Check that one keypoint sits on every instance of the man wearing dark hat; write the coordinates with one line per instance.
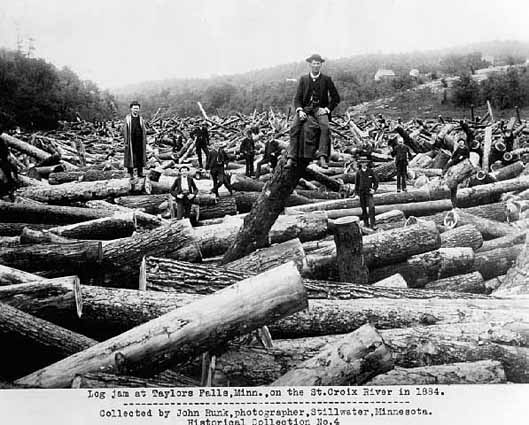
(402, 154)
(201, 135)
(184, 191)
(316, 96)
(247, 151)
(217, 161)
(135, 141)
(366, 184)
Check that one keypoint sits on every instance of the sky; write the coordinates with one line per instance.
(116, 42)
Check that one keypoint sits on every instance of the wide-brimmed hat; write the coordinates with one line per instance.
(363, 160)
(315, 57)
(184, 166)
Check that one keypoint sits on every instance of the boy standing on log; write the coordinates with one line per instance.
(135, 141)
(184, 191)
(316, 96)
(217, 160)
(366, 184)
(402, 153)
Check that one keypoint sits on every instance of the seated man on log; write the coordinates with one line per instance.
(316, 97)
(247, 151)
(8, 172)
(135, 138)
(366, 184)
(271, 154)
(184, 191)
(217, 161)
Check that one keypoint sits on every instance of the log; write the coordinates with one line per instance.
(470, 282)
(392, 219)
(394, 281)
(429, 266)
(313, 172)
(9, 241)
(144, 220)
(187, 331)
(56, 257)
(48, 214)
(349, 252)
(77, 192)
(495, 211)
(118, 226)
(411, 347)
(85, 176)
(509, 171)
(267, 258)
(515, 281)
(24, 147)
(459, 172)
(253, 234)
(12, 276)
(26, 335)
(487, 145)
(30, 236)
(503, 242)
(428, 172)
(489, 229)
(108, 380)
(479, 372)
(462, 236)
(147, 203)
(15, 229)
(386, 172)
(352, 360)
(224, 206)
(496, 262)
(245, 200)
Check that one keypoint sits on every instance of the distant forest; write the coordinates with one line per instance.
(354, 77)
(35, 94)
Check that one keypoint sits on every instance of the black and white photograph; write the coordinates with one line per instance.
(264, 212)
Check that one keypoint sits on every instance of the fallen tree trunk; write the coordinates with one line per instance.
(479, 372)
(504, 242)
(351, 360)
(470, 282)
(386, 172)
(115, 227)
(89, 175)
(312, 172)
(12, 276)
(185, 332)
(15, 229)
(515, 281)
(245, 200)
(462, 236)
(24, 147)
(459, 172)
(490, 229)
(496, 262)
(108, 380)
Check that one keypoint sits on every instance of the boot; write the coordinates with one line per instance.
(323, 162)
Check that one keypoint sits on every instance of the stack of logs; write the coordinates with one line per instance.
(109, 293)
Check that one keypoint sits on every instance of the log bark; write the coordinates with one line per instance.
(489, 229)
(85, 176)
(351, 360)
(30, 236)
(77, 192)
(515, 281)
(349, 252)
(496, 262)
(12, 276)
(479, 372)
(459, 172)
(48, 214)
(420, 269)
(25, 147)
(225, 206)
(186, 332)
(15, 229)
(504, 242)
(394, 281)
(509, 171)
(411, 347)
(108, 380)
(245, 200)
(462, 236)
(313, 172)
(386, 172)
(115, 227)
(470, 282)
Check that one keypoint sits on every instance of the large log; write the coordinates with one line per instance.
(186, 332)
(85, 176)
(490, 229)
(515, 281)
(411, 347)
(30, 236)
(479, 372)
(470, 282)
(496, 262)
(15, 229)
(108, 380)
(386, 172)
(76, 192)
(48, 214)
(509, 172)
(12, 276)
(495, 211)
(462, 236)
(115, 227)
(352, 360)
(313, 172)
(245, 200)
(459, 172)
(429, 266)
(253, 234)
(504, 242)
(25, 147)
(143, 219)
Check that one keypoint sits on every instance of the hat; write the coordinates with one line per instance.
(363, 159)
(315, 57)
(184, 166)
(134, 103)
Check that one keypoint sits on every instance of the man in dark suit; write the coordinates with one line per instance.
(366, 184)
(247, 151)
(184, 191)
(402, 154)
(217, 161)
(201, 135)
(316, 95)
(272, 151)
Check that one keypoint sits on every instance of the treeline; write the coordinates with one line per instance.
(504, 90)
(35, 94)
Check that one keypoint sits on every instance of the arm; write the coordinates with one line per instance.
(193, 186)
(174, 188)
(375, 180)
(335, 97)
(298, 98)
(357, 182)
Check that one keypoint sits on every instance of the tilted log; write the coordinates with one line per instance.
(115, 227)
(462, 236)
(479, 372)
(245, 200)
(325, 317)
(143, 219)
(13, 276)
(313, 172)
(15, 229)
(496, 262)
(147, 203)
(503, 242)
(352, 360)
(515, 281)
(24, 336)
(470, 282)
(495, 211)
(48, 214)
(509, 171)
(216, 239)
(75, 192)
(429, 266)
(85, 176)
(185, 332)
(108, 380)
(489, 229)
(25, 147)
(30, 236)
(459, 172)
(56, 257)
(411, 347)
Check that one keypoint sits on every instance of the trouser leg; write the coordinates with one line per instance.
(250, 164)
(130, 171)
(293, 146)
(363, 204)
(404, 175)
(179, 209)
(258, 168)
(226, 181)
(325, 137)
(214, 177)
(453, 197)
(371, 205)
(273, 163)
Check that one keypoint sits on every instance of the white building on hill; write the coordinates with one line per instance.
(383, 74)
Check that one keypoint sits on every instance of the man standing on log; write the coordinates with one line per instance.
(184, 191)
(316, 96)
(366, 184)
(201, 135)
(135, 141)
(217, 160)
(247, 151)
(402, 153)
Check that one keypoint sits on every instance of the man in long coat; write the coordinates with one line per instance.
(135, 138)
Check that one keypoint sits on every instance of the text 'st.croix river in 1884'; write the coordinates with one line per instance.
(264, 406)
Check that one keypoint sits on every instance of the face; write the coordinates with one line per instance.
(363, 166)
(400, 141)
(315, 67)
(461, 143)
(184, 172)
(135, 110)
